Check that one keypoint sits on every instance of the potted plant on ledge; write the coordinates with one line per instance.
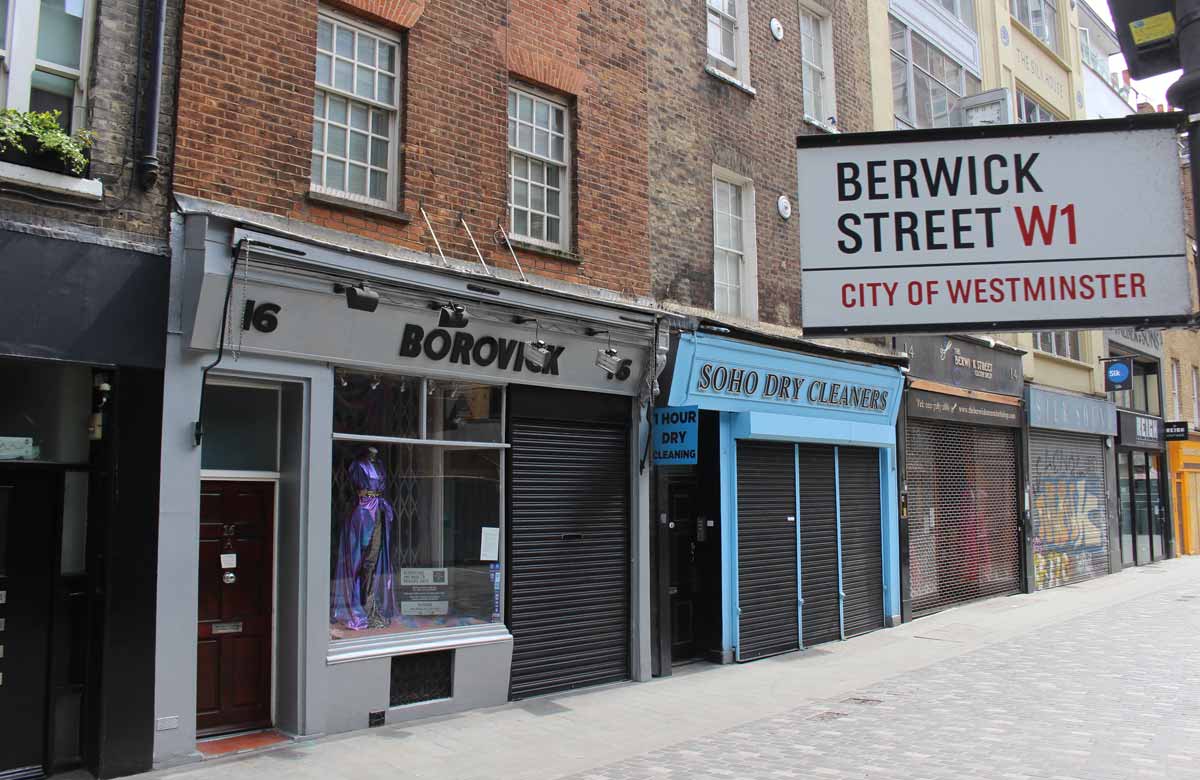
(36, 139)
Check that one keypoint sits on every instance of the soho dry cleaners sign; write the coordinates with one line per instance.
(732, 381)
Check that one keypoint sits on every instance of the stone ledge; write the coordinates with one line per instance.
(58, 183)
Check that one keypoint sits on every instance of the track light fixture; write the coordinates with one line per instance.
(342, 380)
(375, 381)
(360, 297)
(607, 358)
(536, 351)
(452, 315)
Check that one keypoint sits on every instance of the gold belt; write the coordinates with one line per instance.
(370, 493)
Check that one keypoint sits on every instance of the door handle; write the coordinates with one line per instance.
(228, 578)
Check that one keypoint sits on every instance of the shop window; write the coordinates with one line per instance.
(417, 505)
(241, 428)
(45, 409)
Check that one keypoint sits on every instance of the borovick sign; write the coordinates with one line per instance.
(993, 228)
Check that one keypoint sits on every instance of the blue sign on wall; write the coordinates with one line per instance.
(676, 435)
(1118, 374)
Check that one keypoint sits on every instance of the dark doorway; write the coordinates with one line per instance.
(686, 531)
(233, 674)
(29, 506)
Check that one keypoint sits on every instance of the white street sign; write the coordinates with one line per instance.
(996, 228)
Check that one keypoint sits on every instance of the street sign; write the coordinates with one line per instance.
(992, 228)
(1118, 374)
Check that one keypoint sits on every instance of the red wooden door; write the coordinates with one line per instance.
(233, 676)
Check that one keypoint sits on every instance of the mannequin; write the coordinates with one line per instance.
(364, 596)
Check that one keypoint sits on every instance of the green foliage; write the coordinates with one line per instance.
(32, 132)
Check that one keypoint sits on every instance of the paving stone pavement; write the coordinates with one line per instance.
(1111, 695)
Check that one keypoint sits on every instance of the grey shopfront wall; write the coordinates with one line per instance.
(1072, 514)
(471, 428)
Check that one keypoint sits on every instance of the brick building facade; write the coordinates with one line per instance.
(702, 117)
(84, 268)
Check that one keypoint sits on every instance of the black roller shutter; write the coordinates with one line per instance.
(862, 539)
(964, 532)
(818, 545)
(766, 528)
(1070, 508)
(569, 561)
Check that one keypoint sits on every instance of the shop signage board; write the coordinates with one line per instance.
(936, 406)
(992, 228)
(1118, 374)
(963, 363)
(1145, 341)
(1141, 431)
(1065, 412)
(676, 435)
(1175, 431)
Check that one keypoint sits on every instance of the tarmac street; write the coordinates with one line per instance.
(1094, 681)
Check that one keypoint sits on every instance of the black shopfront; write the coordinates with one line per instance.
(1141, 475)
(81, 356)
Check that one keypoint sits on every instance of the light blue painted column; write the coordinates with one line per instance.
(837, 492)
(889, 493)
(799, 559)
(729, 572)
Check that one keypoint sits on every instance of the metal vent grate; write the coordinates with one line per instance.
(422, 677)
(964, 533)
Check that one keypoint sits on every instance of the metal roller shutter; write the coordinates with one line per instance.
(766, 541)
(862, 539)
(569, 563)
(1070, 508)
(820, 610)
(964, 531)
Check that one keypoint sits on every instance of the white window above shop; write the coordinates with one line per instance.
(1039, 17)
(735, 261)
(356, 111)
(1063, 343)
(1030, 110)
(1195, 397)
(927, 83)
(816, 51)
(45, 46)
(962, 10)
(729, 40)
(539, 169)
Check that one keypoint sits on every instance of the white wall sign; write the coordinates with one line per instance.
(992, 228)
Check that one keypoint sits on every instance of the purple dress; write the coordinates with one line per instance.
(363, 592)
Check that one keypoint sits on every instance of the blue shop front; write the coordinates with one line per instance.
(777, 512)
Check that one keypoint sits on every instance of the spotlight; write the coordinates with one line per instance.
(342, 380)
(375, 380)
(536, 352)
(360, 298)
(607, 359)
(453, 315)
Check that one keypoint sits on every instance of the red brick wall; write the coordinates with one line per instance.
(245, 124)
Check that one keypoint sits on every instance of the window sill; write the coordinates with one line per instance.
(538, 249)
(1069, 361)
(1036, 41)
(347, 650)
(817, 123)
(353, 205)
(58, 183)
(720, 75)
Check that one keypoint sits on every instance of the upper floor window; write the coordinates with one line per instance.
(1176, 392)
(44, 45)
(1040, 17)
(356, 111)
(728, 42)
(735, 272)
(816, 52)
(1029, 110)
(1064, 343)
(927, 83)
(963, 10)
(539, 170)
(1195, 396)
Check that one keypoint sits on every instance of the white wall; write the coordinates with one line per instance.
(1102, 101)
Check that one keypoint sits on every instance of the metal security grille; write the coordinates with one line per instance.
(768, 622)
(862, 539)
(1070, 508)
(964, 533)
(421, 677)
(569, 567)
(821, 611)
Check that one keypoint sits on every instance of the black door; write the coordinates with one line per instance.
(685, 534)
(821, 608)
(569, 554)
(768, 619)
(862, 539)
(29, 506)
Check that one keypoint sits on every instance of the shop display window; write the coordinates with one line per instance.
(417, 505)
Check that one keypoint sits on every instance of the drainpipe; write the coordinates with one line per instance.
(148, 164)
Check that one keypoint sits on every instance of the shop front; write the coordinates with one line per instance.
(783, 533)
(1145, 529)
(1184, 459)
(416, 489)
(961, 472)
(1071, 536)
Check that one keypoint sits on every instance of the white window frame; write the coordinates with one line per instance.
(828, 109)
(1176, 381)
(566, 216)
(20, 62)
(969, 19)
(749, 291)
(736, 70)
(1044, 114)
(1195, 397)
(1048, 342)
(393, 167)
(1054, 31)
(910, 70)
